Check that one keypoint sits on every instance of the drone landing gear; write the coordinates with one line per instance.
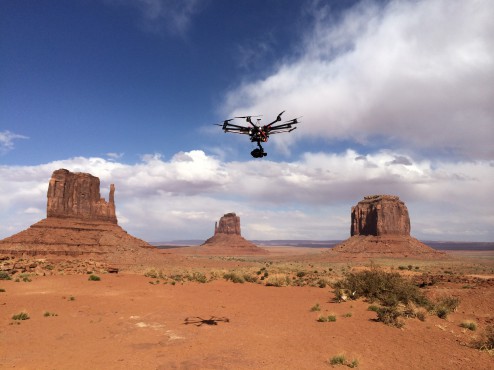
(258, 152)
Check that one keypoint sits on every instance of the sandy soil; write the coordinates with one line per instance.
(125, 322)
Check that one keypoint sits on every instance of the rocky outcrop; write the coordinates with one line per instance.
(79, 223)
(77, 195)
(228, 224)
(227, 239)
(380, 226)
(380, 215)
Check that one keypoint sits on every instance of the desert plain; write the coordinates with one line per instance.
(183, 310)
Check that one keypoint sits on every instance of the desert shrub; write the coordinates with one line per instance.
(21, 316)
(469, 324)
(4, 275)
(330, 318)
(2, 290)
(348, 314)
(387, 288)
(25, 278)
(48, 314)
(301, 274)
(321, 283)
(151, 273)
(71, 298)
(94, 278)
(235, 278)
(444, 306)
(277, 280)
(315, 308)
(198, 276)
(421, 314)
(389, 316)
(250, 279)
(373, 307)
(337, 360)
(322, 319)
(486, 340)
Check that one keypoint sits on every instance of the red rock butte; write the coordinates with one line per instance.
(78, 222)
(227, 239)
(380, 226)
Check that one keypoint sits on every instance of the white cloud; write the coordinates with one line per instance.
(411, 74)
(7, 140)
(311, 198)
(173, 16)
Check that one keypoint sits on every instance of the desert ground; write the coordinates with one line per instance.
(185, 311)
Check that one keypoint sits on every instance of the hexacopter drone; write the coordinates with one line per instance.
(258, 133)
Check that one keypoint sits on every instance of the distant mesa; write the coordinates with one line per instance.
(78, 222)
(380, 226)
(227, 239)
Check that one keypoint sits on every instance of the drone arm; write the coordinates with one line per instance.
(278, 119)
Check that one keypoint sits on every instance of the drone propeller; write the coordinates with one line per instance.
(293, 121)
(278, 118)
(249, 116)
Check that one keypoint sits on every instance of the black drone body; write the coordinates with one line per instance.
(257, 133)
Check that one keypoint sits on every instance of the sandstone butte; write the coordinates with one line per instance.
(227, 239)
(79, 222)
(380, 226)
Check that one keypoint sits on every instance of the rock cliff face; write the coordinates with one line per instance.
(77, 195)
(380, 215)
(79, 223)
(380, 226)
(227, 239)
(228, 224)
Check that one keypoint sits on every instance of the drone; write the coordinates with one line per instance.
(258, 133)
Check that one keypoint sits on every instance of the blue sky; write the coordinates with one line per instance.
(395, 98)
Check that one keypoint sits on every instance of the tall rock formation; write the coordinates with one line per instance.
(380, 226)
(228, 224)
(79, 222)
(227, 239)
(380, 215)
(77, 195)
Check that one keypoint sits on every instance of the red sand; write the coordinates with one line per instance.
(123, 321)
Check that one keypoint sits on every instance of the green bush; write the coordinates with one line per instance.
(5, 276)
(315, 308)
(250, 279)
(486, 340)
(94, 278)
(444, 306)
(469, 324)
(387, 288)
(389, 316)
(232, 276)
(21, 316)
(199, 277)
(337, 360)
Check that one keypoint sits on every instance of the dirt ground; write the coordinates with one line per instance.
(132, 321)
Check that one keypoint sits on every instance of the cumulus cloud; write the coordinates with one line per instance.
(416, 75)
(310, 198)
(7, 140)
